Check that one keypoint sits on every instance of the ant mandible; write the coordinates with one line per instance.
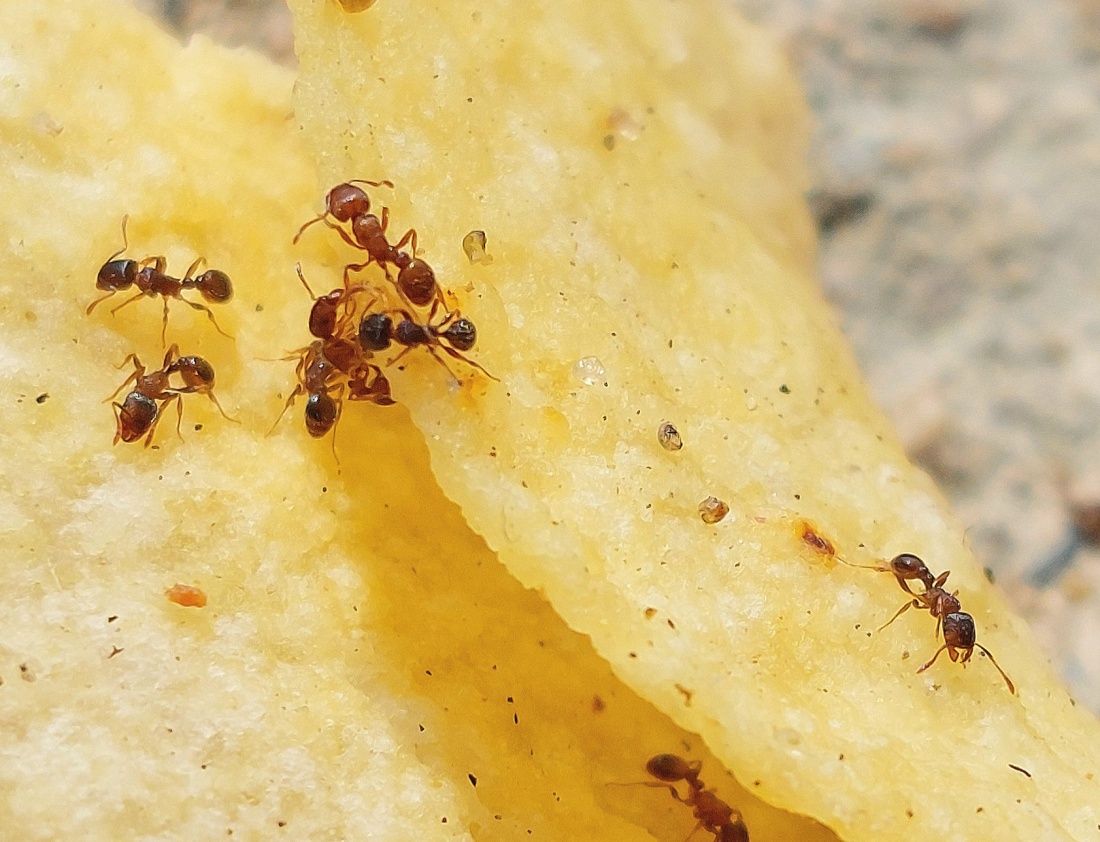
(453, 336)
(713, 814)
(148, 275)
(142, 409)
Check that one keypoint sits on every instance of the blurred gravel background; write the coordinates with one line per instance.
(957, 189)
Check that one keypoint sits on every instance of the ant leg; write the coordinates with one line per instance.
(432, 351)
(199, 261)
(117, 409)
(302, 278)
(222, 411)
(399, 356)
(1008, 681)
(289, 403)
(344, 234)
(209, 314)
(481, 368)
(301, 230)
(354, 267)
(904, 608)
(125, 242)
(138, 371)
(158, 262)
(99, 300)
(938, 651)
(385, 182)
(179, 416)
(410, 235)
(130, 300)
(164, 323)
(170, 358)
(695, 830)
(156, 420)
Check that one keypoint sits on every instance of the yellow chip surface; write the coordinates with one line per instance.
(363, 666)
(637, 170)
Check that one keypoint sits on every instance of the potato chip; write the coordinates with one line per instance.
(664, 274)
(363, 668)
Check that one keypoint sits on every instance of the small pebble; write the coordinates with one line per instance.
(669, 436)
(713, 510)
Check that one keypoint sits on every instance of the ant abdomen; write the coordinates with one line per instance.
(375, 331)
(321, 414)
(417, 283)
(671, 768)
(215, 286)
(116, 275)
(461, 334)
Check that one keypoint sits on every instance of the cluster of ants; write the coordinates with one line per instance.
(338, 363)
(712, 814)
(959, 633)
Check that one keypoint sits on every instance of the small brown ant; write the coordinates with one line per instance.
(713, 814)
(149, 277)
(415, 277)
(959, 633)
(142, 409)
(453, 336)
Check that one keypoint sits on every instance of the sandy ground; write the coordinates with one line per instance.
(957, 188)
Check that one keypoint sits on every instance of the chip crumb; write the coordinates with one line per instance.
(669, 436)
(352, 6)
(598, 705)
(474, 245)
(712, 510)
(187, 596)
(650, 613)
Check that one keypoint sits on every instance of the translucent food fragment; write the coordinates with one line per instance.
(713, 510)
(474, 245)
(589, 370)
(669, 436)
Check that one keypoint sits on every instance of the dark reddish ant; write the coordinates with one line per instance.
(149, 277)
(713, 814)
(453, 336)
(959, 633)
(344, 202)
(142, 409)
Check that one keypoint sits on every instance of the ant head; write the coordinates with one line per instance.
(117, 274)
(461, 334)
(374, 332)
(321, 414)
(909, 566)
(135, 417)
(346, 201)
(670, 768)
(322, 317)
(417, 282)
(215, 286)
(958, 630)
(196, 372)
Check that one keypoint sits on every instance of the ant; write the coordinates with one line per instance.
(348, 203)
(714, 815)
(452, 336)
(324, 382)
(142, 409)
(959, 632)
(149, 277)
